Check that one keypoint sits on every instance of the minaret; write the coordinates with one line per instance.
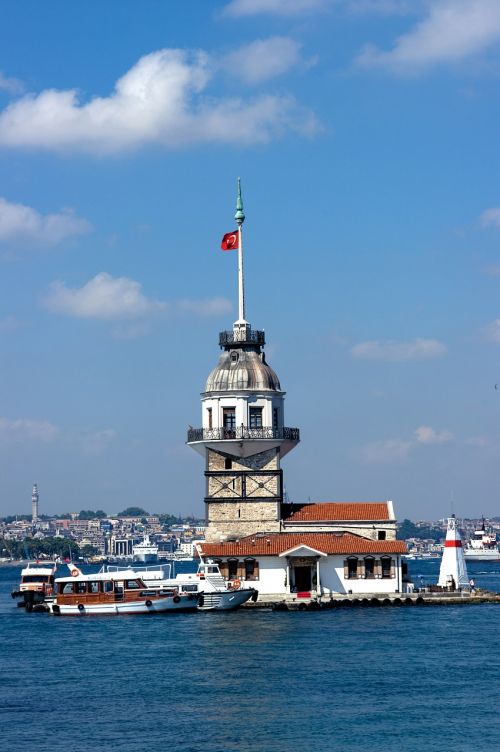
(34, 503)
(243, 435)
(453, 564)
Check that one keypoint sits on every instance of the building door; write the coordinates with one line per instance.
(303, 579)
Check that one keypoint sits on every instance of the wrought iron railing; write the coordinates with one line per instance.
(243, 337)
(242, 432)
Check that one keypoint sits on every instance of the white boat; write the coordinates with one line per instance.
(211, 591)
(483, 546)
(145, 551)
(111, 593)
(37, 584)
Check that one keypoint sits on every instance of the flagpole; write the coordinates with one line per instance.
(240, 218)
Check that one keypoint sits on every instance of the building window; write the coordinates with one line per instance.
(209, 412)
(232, 568)
(386, 565)
(381, 534)
(369, 568)
(352, 568)
(255, 417)
(275, 418)
(229, 422)
(251, 569)
(228, 463)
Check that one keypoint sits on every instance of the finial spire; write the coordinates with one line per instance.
(241, 325)
(240, 215)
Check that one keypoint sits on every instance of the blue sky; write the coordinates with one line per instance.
(366, 136)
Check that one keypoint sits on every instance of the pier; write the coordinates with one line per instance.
(360, 600)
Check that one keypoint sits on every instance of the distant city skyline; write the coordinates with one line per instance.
(365, 136)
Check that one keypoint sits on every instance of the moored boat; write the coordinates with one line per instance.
(111, 593)
(212, 591)
(37, 584)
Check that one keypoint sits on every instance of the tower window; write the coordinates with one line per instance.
(229, 422)
(255, 417)
(275, 417)
(209, 413)
(381, 534)
(228, 463)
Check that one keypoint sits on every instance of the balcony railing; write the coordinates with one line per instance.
(243, 337)
(242, 432)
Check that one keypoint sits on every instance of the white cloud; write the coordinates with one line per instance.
(10, 324)
(490, 217)
(103, 297)
(208, 307)
(451, 31)
(120, 298)
(427, 435)
(22, 224)
(26, 429)
(390, 450)
(10, 85)
(396, 450)
(162, 99)
(418, 349)
(262, 59)
(98, 442)
(239, 8)
(492, 331)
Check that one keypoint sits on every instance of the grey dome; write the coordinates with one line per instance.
(242, 369)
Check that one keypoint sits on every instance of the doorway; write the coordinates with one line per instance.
(303, 580)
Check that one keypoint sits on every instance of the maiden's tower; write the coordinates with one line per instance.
(243, 435)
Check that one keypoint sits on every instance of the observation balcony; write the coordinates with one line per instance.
(243, 441)
(244, 336)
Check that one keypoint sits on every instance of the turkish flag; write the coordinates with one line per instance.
(230, 241)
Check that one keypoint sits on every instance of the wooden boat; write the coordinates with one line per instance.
(110, 593)
(37, 584)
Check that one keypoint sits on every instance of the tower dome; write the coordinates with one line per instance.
(240, 369)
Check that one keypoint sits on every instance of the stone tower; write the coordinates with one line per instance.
(243, 435)
(34, 503)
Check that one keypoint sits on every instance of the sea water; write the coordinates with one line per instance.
(358, 680)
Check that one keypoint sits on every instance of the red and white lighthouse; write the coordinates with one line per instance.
(453, 570)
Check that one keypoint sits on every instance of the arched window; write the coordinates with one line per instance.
(386, 566)
(251, 569)
(369, 567)
(352, 568)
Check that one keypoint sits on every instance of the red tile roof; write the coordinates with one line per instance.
(339, 511)
(274, 544)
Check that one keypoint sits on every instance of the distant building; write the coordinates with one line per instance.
(34, 503)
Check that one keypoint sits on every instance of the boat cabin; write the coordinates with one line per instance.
(90, 589)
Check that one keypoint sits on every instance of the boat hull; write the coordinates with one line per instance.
(225, 601)
(148, 606)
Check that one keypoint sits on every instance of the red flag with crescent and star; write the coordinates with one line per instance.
(230, 241)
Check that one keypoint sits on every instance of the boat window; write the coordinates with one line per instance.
(190, 588)
(107, 586)
(66, 588)
(34, 578)
(132, 585)
(212, 570)
(81, 587)
(93, 587)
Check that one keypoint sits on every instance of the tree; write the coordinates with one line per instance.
(133, 512)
